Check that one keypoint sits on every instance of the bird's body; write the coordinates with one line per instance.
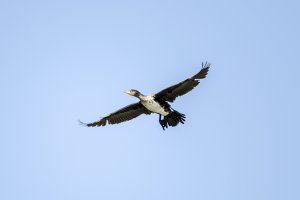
(155, 103)
(151, 104)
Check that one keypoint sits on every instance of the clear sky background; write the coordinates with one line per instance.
(62, 61)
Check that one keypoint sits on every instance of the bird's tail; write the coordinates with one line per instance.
(172, 119)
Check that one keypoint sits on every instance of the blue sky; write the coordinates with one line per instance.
(62, 61)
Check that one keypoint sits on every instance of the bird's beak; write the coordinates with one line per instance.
(128, 92)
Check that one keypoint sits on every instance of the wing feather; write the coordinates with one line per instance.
(179, 89)
(124, 114)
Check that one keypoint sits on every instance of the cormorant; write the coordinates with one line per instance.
(155, 103)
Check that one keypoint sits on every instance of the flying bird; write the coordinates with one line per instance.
(155, 103)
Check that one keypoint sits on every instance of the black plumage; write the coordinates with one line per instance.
(157, 103)
(174, 91)
(124, 114)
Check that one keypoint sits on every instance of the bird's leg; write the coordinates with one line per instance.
(162, 123)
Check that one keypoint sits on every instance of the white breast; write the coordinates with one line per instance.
(153, 106)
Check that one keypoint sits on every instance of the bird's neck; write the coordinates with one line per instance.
(140, 96)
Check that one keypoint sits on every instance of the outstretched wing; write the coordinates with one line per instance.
(171, 93)
(124, 114)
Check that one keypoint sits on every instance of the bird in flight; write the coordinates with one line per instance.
(155, 103)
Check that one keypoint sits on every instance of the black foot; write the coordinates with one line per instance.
(163, 123)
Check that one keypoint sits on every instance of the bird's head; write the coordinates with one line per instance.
(133, 93)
